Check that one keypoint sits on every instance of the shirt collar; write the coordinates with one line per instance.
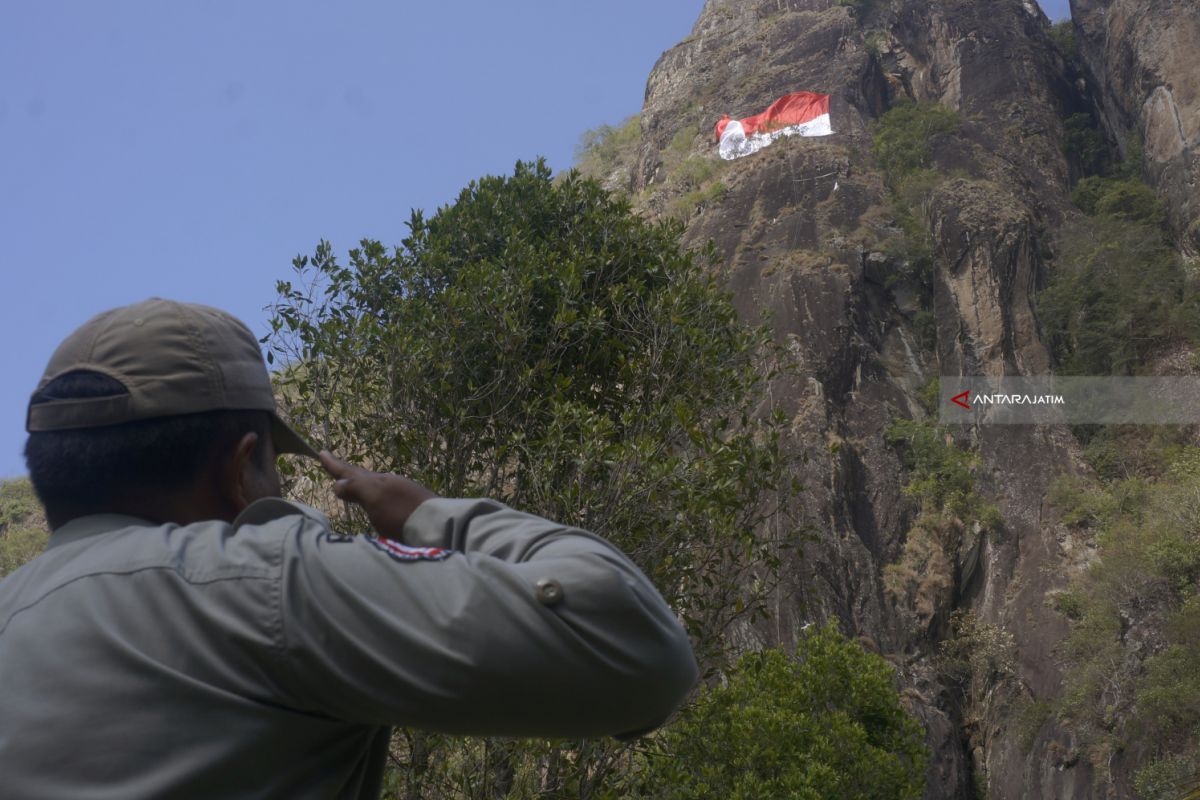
(92, 524)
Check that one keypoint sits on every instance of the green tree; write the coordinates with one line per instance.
(824, 723)
(1118, 291)
(1127, 199)
(1082, 141)
(904, 137)
(902, 142)
(1062, 35)
(539, 343)
(953, 514)
(1136, 693)
(604, 150)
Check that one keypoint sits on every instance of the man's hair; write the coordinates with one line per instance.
(85, 469)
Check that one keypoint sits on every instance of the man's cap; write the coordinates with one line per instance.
(172, 358)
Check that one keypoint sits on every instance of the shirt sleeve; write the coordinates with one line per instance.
(524, 628)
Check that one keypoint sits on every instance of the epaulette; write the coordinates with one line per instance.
(272, 508)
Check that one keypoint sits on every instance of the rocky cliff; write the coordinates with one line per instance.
(1141, 61)
(879, 283)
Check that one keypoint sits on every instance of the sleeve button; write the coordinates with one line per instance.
(549, 591)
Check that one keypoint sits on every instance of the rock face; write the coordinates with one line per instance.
(806, 232)
(1141, 56)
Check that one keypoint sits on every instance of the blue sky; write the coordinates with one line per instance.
(190, 150)
(1057, 10)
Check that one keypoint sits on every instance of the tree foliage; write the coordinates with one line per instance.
(953, 516)
(1117, 292)
(1131, 683)
(1127, 199)
(940, 475)
(1062, 35)
(904, 138)
(609, 150)
(538, 343)
(1083, 143)
(902, 143)
(824, 723)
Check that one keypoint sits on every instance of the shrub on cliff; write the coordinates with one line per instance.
(1131, 685)
(1062, 35)
(1126, 199)
(607, 150)
(902, 143)
(824, 723)
(1174, 777)
(1117, 292)
(941, 476)
(1083, 143)
(904, 138)
(23, 530)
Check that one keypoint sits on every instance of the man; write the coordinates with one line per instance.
(187, 633)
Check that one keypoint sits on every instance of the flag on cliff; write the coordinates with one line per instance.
(798, 114)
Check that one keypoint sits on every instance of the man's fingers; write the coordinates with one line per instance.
(388, 499)
(348, 477)
(333, 465)
(342, 470)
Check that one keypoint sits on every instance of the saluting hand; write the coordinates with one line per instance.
(388, 499)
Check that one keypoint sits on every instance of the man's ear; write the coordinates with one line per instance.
(235, 473)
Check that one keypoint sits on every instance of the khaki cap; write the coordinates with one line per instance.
(173, 358)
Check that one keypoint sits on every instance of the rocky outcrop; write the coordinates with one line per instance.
(1141, 57)
(806, 232)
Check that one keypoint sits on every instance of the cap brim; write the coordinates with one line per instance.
(287, 440)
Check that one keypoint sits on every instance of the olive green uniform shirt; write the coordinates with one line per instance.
(269, 658)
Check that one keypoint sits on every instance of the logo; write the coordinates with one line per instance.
(963, 399)
(402, 552)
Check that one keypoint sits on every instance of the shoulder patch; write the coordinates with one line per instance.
(402, 552)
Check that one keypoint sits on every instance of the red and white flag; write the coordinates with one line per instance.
(798, 114)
